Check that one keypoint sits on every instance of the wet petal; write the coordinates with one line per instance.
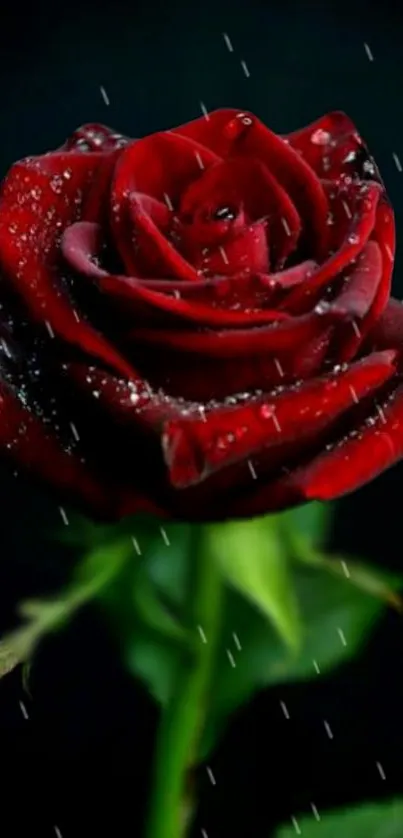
(161, 166)
(32, 445)
(332, 147)
(247, 250)
(81, 246)
(144, 246)
(362, 284)
(40, 197)
(384, 236)
(195, 448)
(245, 185)
(357, 459)
(246, 291)
(283, 337)
(362, 224)
(387, 333)
(230, 132)
(95, 137)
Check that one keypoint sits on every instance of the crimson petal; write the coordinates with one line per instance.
(387, 333)
(248, 184)
(362, 285)
(384, 235)
(147, 250)
(159, 166)
(38, 200)
(81, 244)
(361, 226)
(283, 337)
(332, 147)
(196, 448)
(358, 458)
(27, 442)
(95, 137)
(229, 132)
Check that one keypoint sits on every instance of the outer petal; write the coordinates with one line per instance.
(384, 236)
(387, 332)
(30, 444)
(95, 137)
(39, 198)
(364, 201)
(357, 459)
(80, 245)
(196, 447)
(361, 286)
(289, 336)
(332, 147)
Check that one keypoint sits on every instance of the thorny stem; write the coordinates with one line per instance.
(182, 719)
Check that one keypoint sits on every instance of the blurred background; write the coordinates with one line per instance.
(79, 764)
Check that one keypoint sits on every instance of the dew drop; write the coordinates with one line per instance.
(237, 126)
(266, 411)
(322, 307)
(320, 137)
(227, 213)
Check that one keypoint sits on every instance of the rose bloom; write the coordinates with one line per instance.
(197, 324)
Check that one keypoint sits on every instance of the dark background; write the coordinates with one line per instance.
(81, 762)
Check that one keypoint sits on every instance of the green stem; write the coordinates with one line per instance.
(183, 717)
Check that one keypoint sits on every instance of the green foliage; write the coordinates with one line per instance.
(288, 611)
(42, 617)
(370, 820)
(254, 562)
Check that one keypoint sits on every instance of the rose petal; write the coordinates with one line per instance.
(357, 459)
(38, 200)
(154, 303)
(194, 448)
(228, 132)
(362, 285)
(82, 244)
(147, 251)
(387, 333)
(244, 183)
(208, 378)
(161, 165)
(247, 250)
(95, 137)
(95, 206)
(384, 236)
(332, 147)
(287, 337)
(361, 226)
(28, 443)
(245, 291)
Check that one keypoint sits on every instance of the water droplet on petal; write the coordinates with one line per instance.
(320, 137)
(237, 126)
(266, 411)
(322, 307)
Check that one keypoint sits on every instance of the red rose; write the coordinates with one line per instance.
(197, 323)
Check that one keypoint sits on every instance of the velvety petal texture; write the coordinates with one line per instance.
(198, 324)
